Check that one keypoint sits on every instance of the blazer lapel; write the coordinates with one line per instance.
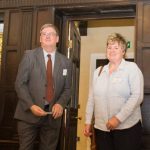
(57, 64)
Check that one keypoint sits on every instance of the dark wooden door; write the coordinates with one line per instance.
(21, 32)
(74, 55)
(143, 60)
(68, 136)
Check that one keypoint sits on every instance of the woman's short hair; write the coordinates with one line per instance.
(116, 37)
(50, 25)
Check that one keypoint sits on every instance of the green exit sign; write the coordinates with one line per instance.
(128, 44)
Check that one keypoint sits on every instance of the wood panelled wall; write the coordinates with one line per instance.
(20, 3)
(21, 32)
(143, 60)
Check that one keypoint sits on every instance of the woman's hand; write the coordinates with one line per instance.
(87, 130)
(112, 123)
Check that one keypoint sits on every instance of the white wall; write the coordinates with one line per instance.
(1, 27)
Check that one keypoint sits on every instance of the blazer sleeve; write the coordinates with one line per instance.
(21, 83)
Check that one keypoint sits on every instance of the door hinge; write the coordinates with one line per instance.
(78, 106)
(77, 138)
(69, 43)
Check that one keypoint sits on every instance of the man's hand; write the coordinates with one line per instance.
(87, 130)
(37, 111)
(112, 123)
(57, 111)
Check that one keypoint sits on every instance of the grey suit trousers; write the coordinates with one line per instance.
(48, 135)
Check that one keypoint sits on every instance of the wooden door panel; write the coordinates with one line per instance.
(8, 98)
(143, 41)
(146, 23)
(146, 123)
(14, 28)
(143, 60)
(8, 124)
(71, 129)
(26, 31)
(41, 17)
(10, 50)
(145, 63)
(146, 115)
(11, 66)
(21, 29)
(58, 23)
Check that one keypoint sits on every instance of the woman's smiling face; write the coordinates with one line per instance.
(115, 51)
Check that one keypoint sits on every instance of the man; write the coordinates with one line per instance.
(43, 86)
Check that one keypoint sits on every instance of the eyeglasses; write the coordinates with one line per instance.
(48, 34)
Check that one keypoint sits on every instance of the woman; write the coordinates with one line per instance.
(114, 99)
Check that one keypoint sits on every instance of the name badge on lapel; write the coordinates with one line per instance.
(64, 72)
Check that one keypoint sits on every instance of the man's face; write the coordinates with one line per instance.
(48, 38)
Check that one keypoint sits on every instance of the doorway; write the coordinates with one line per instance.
(99, 21)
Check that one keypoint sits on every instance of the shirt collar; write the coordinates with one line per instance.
(52, 54)
(121, 66)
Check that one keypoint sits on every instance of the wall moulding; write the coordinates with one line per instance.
(28, 3)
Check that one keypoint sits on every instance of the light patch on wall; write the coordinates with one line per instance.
(1, 27)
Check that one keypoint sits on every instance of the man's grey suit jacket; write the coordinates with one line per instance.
(31, 84)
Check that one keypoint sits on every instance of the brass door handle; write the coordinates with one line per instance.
(80, 118)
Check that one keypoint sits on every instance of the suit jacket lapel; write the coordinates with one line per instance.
(57, 64)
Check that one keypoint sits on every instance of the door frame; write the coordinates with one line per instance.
(103, 10)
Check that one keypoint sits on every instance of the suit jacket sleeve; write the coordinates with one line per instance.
(21, 84)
